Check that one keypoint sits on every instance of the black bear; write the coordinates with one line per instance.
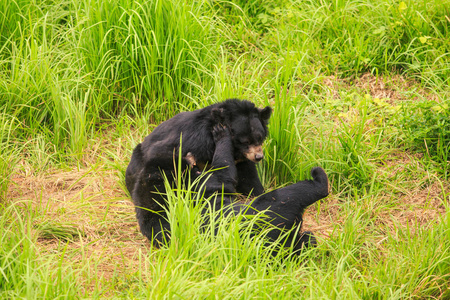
(230, 135)
(247, 123)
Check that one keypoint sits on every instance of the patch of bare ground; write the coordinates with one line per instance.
(86, 211)
(422, 197)
(322, 222)
(408, 201)
(420, 207)
(391, 88)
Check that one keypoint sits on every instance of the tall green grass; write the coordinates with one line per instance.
(41, 82)
(427, 129)
(155, 51)
(24, 274)
(350, 37)
(67, 67)
(9, 152)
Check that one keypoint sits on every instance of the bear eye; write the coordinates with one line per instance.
(259, 138)
(244, 140)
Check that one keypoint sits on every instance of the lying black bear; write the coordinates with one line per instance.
(230, 135)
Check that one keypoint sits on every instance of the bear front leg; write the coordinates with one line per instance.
(223, 177)
(248, 179)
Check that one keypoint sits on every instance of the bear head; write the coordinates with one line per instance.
(248, 126)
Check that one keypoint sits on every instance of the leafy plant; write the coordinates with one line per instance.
(427, 127)
(260, 14)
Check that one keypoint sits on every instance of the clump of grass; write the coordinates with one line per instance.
(42, 84)
(24, 273)
(282, 162)
(64, 68)
(156, 51)
(52, 230)
(351, 37)
(427, 128)
(9, 151)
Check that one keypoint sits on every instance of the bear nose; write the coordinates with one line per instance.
(258, 157)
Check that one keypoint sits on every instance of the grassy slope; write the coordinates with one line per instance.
(359, 87)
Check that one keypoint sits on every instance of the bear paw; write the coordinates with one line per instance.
(220, 131)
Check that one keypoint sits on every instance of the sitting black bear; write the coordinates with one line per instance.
(249, 130)
(229, 135)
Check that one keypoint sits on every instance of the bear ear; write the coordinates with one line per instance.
(264, 114)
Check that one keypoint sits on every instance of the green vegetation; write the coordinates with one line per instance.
(428, 126)
(358, 87)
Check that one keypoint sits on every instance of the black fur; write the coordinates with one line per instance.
(219, 135)
(247, 123)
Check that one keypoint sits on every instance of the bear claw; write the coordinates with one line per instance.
(220, 131)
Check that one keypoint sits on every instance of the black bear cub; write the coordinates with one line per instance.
(226, 137)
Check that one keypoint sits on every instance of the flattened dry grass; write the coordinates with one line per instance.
(392, 88)
(85, 214)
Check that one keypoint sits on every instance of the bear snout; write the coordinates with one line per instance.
(254, 153)
(259, 156)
